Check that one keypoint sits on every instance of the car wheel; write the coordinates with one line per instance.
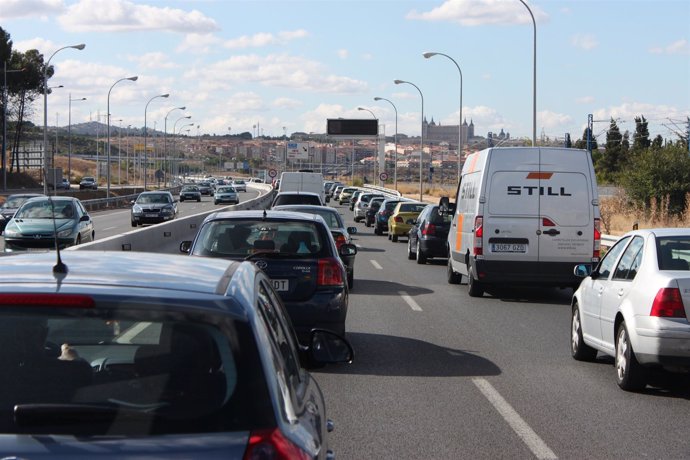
(578, 348)
(134, 223)
(474, 287)
(351, 280)
(377, 230)
(215, 202)
(410, 252)
(452, 276)
(389, 236)
(421, 258)
(78, 240)
(181, 200)
(367, 223)
(394, 238)
(630, 375)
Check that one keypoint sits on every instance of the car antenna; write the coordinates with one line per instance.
(59, 267)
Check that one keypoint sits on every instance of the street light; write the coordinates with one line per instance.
(107, 193)
(180, 130)
(69, 135)
(534, 78)
(4, 124)
(421, 152)
(187, 117)
(377, 134)
(45, 110)
(146, 163)
(460, 134)
(165, 130)
(395, 140)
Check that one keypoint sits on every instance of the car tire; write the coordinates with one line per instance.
(630, 375)
(410, 252)
(389, 236)
(377, 231)
(394, 238)
(421, 258)
(578, 348)
(452, 276)
(351, 280)
(134, 223)
(181, 200)
(198, 200)
(215, 202)
(474, 287)
(77, 242)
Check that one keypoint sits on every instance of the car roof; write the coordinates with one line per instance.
(269, 214)
(661, 231)
(298, 193)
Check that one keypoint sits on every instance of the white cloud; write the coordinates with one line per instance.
(27, 8)
(480, 12)
(584, 41)
(286, 103)
(367, 57)
(153, 61)
(679, 47)
(264, 39)
(585, 100)
(552, 121)
(45, 47)
(343, 53)
(199, 43)
(124, 16)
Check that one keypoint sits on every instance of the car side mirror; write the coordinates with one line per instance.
(582, 270)
(185, 247)
(85, 218)
(352, 230)
(327, 347)
(347, 249)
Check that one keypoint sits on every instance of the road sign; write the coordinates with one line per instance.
(272, 173)
(383, 176)
(298, 151)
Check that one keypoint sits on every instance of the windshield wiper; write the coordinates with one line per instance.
(68, 414)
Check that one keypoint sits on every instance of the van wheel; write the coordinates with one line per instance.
(421, 258)
(474, 287)
(350, 280)
(394, 238)
(630, 375)
(377, 231)
(410, 252)
(453, 277)
(578, 348)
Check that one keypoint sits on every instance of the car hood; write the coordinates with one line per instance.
(58, 447)
(154, 206)
(32, 226)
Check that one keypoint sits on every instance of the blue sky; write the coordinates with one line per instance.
(293, 64)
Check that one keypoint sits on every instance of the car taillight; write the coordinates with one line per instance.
(339, 239)
(478, 236)
(47, 300)
(428, 229)
(597, 241)
(398, 219)
(272, 445)
(330, 273)
(668, 304)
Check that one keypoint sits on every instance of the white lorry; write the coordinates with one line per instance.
(523, 216)
(303, 182)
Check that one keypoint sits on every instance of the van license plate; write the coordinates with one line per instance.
(502, 247)
(280, 285)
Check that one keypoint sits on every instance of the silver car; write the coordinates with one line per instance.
(226, 194)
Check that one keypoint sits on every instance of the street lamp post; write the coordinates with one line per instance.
(395, 140)
(534, 77)
(187, 117)
(145, 138)
(377, 135)
(45, 110)
(4, 124)
(165, 130)
(460, 133)
(421, 143)
(180, 130)
(54, 150)
(69, 135)
(107, 193)
(119, 152)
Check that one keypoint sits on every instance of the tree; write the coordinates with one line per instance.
(641, 136)
(612, 160)
(658, 142)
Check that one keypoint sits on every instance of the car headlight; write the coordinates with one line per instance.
(136, 209)
(11, 232)
(167, 211)
(64, 233)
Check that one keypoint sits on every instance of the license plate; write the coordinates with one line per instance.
(502, 247)
(281, 285)
(149, 214)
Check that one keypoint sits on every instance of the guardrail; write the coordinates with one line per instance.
(118, 201)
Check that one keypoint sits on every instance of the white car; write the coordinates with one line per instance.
(240, 185)
(633, 306)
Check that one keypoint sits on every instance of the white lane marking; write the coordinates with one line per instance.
(109, 228)
(519, 426)
(410, 301)
(376, 265)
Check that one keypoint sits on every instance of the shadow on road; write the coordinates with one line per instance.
(387, 355)
(386, 288)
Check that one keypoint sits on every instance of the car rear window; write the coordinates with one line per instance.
(412, 207)
(390, 205)
(673, 253)
(297, 199)
(129, 372)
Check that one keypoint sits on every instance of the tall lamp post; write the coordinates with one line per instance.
(181, 128)
(534, 77)
(165, 130)
(107, 193)
(69, 135)
(146, 161)
(377, 134)
(395, 140)
(55, 147)
(460, 134)
(4, 124)
(186, 117)
(45, 110)
(421, 143)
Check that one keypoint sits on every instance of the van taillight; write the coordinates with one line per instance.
(429, 229)
(330, 273)
(597, 240)
(47, 300)
(668, 304)
(272, 445)
(478, 235)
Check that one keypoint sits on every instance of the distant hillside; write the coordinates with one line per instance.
(95, 128)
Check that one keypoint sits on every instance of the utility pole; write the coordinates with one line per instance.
(590, 123)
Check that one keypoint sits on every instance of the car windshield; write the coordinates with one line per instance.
(239, 182)
(88, 179)
(225, 190)
(190, 188)
(156, 198)
(133, 372)
(673, 253)
(412, 207)
(45, 209)
(235, 238)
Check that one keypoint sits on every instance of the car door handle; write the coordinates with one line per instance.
(621, 292)
(552, 232)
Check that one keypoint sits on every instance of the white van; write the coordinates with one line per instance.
(523, 215)
(303, 182)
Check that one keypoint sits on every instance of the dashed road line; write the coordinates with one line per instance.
(376, 265)
(410, 301)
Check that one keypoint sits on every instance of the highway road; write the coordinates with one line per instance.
(438, 374)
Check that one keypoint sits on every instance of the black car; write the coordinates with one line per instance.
(88, 183)
(10, 206)
(295, 250)
(115, 357)
(153, 208)
(205, 188)
(370, 214)
(385, 211)
(428, 236)
(190, 192)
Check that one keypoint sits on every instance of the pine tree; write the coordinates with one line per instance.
(641, 136)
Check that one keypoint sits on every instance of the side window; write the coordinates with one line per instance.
(607, 263)
(630, 260)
